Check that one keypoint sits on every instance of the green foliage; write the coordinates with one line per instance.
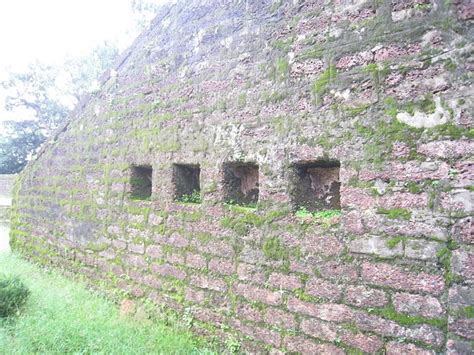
(19, 141)
(42, 103)
(274, 249)
(273, 97)
(326, 214)
(232, 346)
(314, 52)
(282, 69)
(393, 242)
(444, 258)
(389, 312)
(395, 213)
(467, 312)
(283, 44)
(13, 295)
(414, 187)
(65, 318)
(194, 197)
(320, 85)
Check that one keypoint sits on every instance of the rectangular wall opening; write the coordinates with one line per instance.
(241, 183)
(141, 182)
(315, 186)
(186, 182)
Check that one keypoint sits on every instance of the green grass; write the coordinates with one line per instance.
(63, 317)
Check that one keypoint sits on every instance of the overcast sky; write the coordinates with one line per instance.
(49, 30)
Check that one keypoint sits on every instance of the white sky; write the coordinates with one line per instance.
(49, 30)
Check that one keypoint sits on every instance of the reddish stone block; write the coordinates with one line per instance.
(404, 200)
(394, 348)
(280, 319)
(390, 52)
(463, 327)
(326, 311)
(447, 149)
(409, 171)
(248, 272)
(195, 296)
(367, 343)
(258, 294)
(283, 281)
(205, 282)
(208, 316)
(150, 280)
(425, 306)
(176, 240)
(320, 330)
(462, 263)
(135, 260)
(221, 266)
(355, 197)
(267, 336)
(321, 288)
(218, 248)
(169, 270)
(337, 270)
(195, 261)
(357, 59)
(362, 296)
(396, 277)
(318, 244)
(352, 223)
(464, 9)
(463, 231)
(154, 251)
(424, 333)
(247, 312)
(307, 347)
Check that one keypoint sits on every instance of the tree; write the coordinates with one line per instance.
(21, 139)
(43, 97)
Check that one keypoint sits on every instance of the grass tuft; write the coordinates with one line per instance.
(63, 317)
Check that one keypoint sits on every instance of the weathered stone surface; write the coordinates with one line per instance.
(459, 347)
(258, 294)
(328, 311)
(447, 149)
(422, 249)
(368, 343)
(362, 296)
(462, 264)
(463, 327)
(284, 281)
(463, 231)
(375, 245)
(278, 110)
(305, 346)
(394, 348)
(425, 306)
(320, 330)
(320, 288)
(396, 277)
(280, 319)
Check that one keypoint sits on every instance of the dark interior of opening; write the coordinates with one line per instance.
(241, 183)
(186, 183)
(141, 182)
(315, 185)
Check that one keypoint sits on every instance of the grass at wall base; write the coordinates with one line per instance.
(63, 317)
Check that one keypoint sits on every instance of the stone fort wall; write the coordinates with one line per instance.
(293, 174)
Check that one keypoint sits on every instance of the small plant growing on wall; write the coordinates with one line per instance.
(13, 295)
(193, 197)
